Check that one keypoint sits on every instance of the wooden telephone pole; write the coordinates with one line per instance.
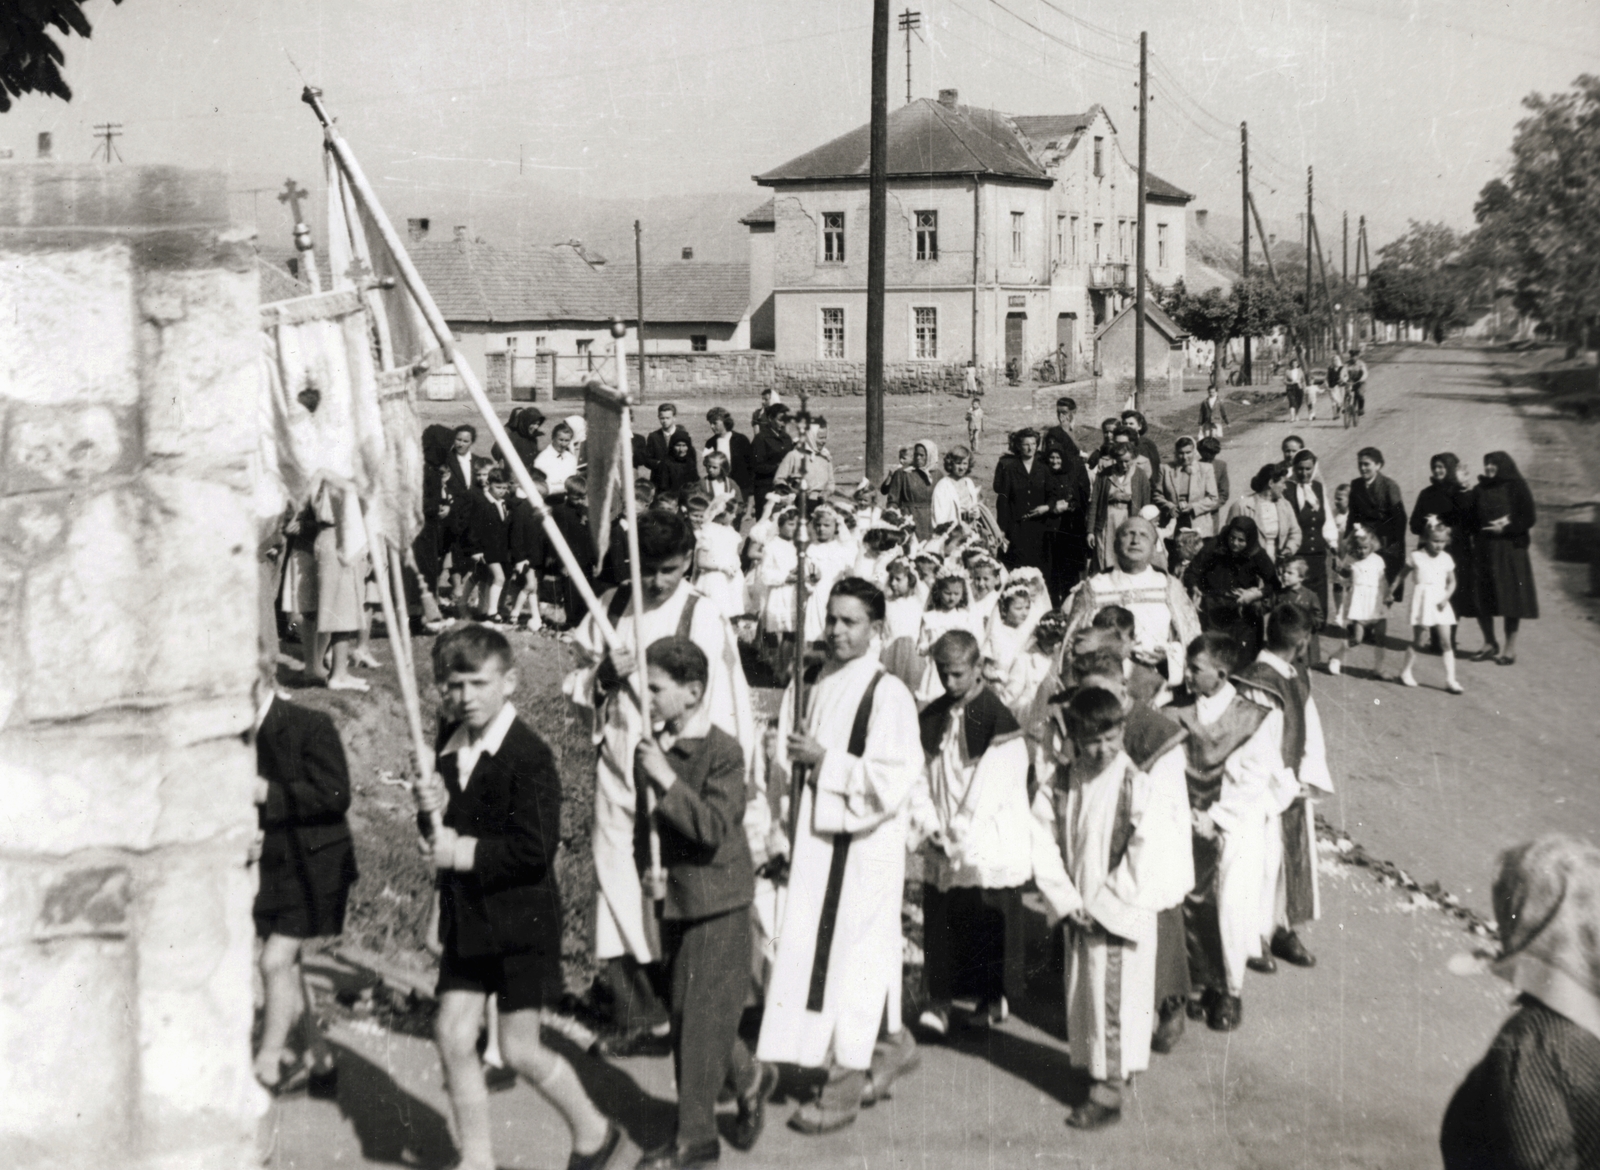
(1244, 254)
(877, 224)
(1138, 284)
(638, 278)
(910, 22)
(1309, 333)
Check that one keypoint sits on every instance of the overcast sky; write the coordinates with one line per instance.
(1406, 107)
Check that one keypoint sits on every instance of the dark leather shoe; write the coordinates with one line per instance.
(1169, 1031)
(1264, 965)
(1287, 946)
(1226, 1014)
(641, 1043)
(601, 1157)
(1093, 1115)
(672, 1158)
(752, 1118)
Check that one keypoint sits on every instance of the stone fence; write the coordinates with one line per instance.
(130, 350)
(845, 378)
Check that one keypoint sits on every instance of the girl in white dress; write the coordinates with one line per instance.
(1435, 571)
(776, 578)
(716, 555)
(828, 557)
(902, 623)
(1368, 616)
(947, 610)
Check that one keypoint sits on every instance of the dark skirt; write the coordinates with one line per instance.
(1502, 579)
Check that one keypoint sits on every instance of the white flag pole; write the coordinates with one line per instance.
(441, 332)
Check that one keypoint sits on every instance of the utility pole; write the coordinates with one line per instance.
(1364, 252)
(1344, 275)
(1138, 284)
(1261, 234)
(108, 131)
(1244, 256)
(877, 226)
(1308, 358)
(910, 22)
(638, 281)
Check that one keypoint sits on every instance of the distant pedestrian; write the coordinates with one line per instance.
(1534, 1099)
(1294, 388)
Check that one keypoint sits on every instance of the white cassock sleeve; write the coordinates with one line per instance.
(1158, 868)
(581, 685)
(1049, 870)
(1314, 765)
(858, 793)
(1251, 777)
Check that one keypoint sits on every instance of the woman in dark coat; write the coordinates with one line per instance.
(910, 490)
(522, 427)
(1023, 502)
(428, 548)
(1500, 518)
(1236, 582)
(678, 470)
(1446, 499)
(1066, 536)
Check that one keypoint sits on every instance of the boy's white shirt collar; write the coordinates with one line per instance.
(261, 711)
(696, 726)
(1210, 708)
(468, 751)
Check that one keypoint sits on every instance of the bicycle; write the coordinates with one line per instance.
(1350, 407)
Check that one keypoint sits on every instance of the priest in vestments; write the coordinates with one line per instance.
(1164, 618)
(836, 979)
(626, 939)
(1123, 835)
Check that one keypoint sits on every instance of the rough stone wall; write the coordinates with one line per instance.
(845, 378)
(689, 374)
(129, 350)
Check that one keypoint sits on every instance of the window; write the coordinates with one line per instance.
(539, 341)
(1016, 237)
(1098, 232)
(833, 237)
(1099, 157)
(585, 351)
(697, 342)
(833, 333)
(511, 344)
(1061, 239)
(927, 235)
(1161, 245)
(925, 344)
(1073, 228)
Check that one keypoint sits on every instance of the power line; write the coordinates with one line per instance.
(107, 131)
(1066, 44)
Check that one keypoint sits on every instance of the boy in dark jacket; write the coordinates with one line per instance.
(695, 773)
(499, 909)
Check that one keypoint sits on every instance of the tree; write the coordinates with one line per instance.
(29, 55)
(1424, 278)
(1542, 221)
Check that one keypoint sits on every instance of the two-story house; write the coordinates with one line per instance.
(1009, 237)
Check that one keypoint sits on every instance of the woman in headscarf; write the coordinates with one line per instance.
(1235, 581)
(1534, 1099)
(1066, 546)
(910, 489)
(428, 548)
(1274, 516)
(1446, 500)
(1120, 491)
(678, 470)
(1500, 515)
(522, 427)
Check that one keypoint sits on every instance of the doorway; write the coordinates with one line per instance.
(1014, 336)
(1067, 342)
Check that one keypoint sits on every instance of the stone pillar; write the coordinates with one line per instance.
(129, 351)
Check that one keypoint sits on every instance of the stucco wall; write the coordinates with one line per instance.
(129, 360)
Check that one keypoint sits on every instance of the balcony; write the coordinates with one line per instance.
(1108, 276)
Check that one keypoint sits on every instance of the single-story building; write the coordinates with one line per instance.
(1115, 342)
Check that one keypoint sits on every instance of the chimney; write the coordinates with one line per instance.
(417, 228)
(44, 145)
(948, 98)
(688, 253)
(1200, 218)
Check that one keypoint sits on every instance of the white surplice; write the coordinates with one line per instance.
(1112, 972)
(867, 797)
(616, 729)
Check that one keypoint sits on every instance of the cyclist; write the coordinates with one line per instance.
(1356, 372)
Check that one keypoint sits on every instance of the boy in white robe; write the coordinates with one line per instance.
(626, 942)
(1122, 837)
(1234, 771)
(1289, 896)
(836, 978)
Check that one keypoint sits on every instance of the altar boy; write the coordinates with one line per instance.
(1121, 835)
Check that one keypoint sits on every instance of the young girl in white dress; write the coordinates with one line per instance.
(776, 577)
(1435, 571)
(716, 555)
(828, 557)
(902, 623)
(947, 610)
(1368, 616)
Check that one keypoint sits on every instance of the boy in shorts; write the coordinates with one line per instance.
(499, 909)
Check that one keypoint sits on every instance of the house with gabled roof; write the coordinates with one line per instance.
(1011, 238)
